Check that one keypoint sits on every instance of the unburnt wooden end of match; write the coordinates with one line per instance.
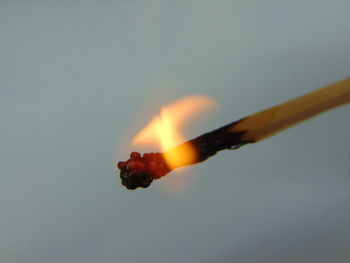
(140, 171)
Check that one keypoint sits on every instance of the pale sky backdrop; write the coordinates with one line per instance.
(77, 76)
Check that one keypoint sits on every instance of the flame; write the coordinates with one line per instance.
(164, 129)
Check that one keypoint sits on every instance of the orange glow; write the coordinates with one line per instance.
(164, 128)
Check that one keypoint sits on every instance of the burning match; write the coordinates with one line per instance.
(141, 170)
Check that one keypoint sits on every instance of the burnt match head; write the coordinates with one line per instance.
(140, 171)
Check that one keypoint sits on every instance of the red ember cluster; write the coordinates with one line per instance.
(140, 171)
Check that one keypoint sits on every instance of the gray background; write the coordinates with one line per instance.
(76, 76)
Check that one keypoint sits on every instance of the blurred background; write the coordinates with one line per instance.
(78, 79)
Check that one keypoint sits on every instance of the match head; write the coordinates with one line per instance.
(140, 171)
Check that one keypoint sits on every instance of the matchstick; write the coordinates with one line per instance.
(140, 171)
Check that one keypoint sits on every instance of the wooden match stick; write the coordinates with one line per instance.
(140, 171)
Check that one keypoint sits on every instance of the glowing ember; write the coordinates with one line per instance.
(164, 129)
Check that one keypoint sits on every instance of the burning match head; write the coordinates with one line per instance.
(141, 171)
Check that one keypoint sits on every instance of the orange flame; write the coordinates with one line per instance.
(164, 128)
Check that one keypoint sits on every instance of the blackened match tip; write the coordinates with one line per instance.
(133, 180)
(140, 171)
